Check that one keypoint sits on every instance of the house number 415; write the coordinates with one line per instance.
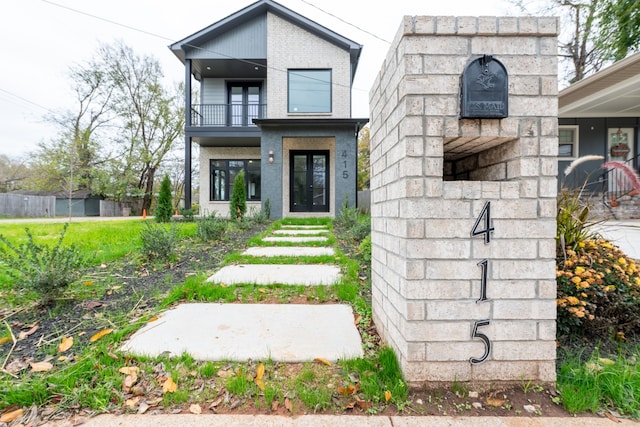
(482, 227)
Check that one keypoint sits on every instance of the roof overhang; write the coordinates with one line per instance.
(611, 92)
(328, 122)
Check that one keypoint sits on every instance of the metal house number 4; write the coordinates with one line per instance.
(483, 220)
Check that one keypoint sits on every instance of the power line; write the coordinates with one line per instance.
(346, 22)
(26, 100)
(246, 61)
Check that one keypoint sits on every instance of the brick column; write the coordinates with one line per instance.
(432, 176)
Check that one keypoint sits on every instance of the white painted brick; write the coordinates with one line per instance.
(543, 371)
(457, 310)
(453, 351)
(452, 189)
(436, 289)
(448, 228)
(415, 311)
(451, 270)
(504, 46)
(425, 24)
(506, 249)
(434, 146)
(425, 331)
(523, 269)
(510, 190)
(467, 25)
(523, 208)
(523, 309)
(414, 270)
(487, 25)
(548, 187)
(547, 208)
(547, 289)
(438, 249)
(525, 228)
(415, 352)
(421, 372)
(414, 146)
(509, 330)
(547, 330)
(511, 289)
(547, 248)
(532, 350)
(491, 190)
(415, 229)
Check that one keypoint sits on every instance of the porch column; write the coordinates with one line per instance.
(187, 138)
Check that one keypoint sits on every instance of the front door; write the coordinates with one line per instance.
(309, 181)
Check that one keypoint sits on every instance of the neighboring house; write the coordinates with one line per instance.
(600, 115)
(274, 100)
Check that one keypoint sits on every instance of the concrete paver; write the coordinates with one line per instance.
(281, 332)
(306, 227)
(294, 232)
(188, 420)
(283, 274)
(272, 251)
(295, 239)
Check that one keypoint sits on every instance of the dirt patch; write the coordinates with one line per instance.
(135, 290)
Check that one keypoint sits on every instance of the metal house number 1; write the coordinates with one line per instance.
(485, 219)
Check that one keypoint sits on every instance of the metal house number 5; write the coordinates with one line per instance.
(485, 340)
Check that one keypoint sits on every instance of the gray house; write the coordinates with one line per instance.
(600, 115)
(275, 101)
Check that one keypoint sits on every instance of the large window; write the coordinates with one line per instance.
(568, 141)
(223, 174)
(309, 91)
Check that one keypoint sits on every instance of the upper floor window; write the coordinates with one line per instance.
(309, 91)
(568, 141)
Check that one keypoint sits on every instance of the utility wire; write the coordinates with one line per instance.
(346, 22)
(26, 100)
(246, 61)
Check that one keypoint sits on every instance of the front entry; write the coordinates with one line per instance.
(309, 188)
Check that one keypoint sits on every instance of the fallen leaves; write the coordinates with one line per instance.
(4, 340)
(102, 333)
(131, 378)
(259, 374)
(323, 361)
(11, 416)
(387, 396)
(65, 344)
(195, 409)
(169, 386)
(24, 334)
(495, 401)
(40, 366)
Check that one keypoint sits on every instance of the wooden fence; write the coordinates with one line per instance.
(20, 205)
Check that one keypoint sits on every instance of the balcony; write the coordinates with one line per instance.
(226, 115)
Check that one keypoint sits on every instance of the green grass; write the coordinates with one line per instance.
(600, 382)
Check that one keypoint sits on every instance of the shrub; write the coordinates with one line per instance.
(164, 210)
(361, 229)
(348, 215)
(266, 208)
(48, 270)
(188, 214)
(365, 248)
(598, 292)
(158, 241)
(238, 202)
(210, 227)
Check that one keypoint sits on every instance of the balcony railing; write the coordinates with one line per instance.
(227, 115)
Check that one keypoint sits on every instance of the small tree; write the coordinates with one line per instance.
(165, 209)
(238, 206)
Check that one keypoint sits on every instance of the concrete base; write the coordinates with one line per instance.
(288, 333)
(260, 251)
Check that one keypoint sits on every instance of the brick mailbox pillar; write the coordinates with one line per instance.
(463, 209)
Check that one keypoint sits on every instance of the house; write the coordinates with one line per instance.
(274, 100)
(600, 115)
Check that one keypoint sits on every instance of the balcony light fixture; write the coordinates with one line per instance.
(208, 68)
(270, 156)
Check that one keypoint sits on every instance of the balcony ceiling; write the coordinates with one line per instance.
(229, 68)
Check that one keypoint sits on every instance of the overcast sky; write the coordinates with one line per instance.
(42, 38)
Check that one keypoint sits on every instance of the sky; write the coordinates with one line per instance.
(43, 38)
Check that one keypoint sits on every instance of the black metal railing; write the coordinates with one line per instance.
(616, 184)
(235, 115)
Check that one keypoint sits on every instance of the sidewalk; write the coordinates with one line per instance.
(334, 421)
(624, 234)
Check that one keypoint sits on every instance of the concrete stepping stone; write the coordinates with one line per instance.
(241, 332)
(306, 227)
(283, 274)
(295, 239)
(272, 251)
(291, 231)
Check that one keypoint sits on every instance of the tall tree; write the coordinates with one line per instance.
(13, 172)
(620, 28)
(152, 118)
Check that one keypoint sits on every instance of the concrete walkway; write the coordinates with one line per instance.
(624, 234)
(188, 420)
(241, 332)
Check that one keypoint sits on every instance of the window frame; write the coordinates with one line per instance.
(246, 166)
(301, 71)
(574, 143)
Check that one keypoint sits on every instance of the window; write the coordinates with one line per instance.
(568, 141)
(309, 91)
(223, 174)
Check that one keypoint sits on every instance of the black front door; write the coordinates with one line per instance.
(309, 191)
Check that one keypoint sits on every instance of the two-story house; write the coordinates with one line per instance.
(275, 101)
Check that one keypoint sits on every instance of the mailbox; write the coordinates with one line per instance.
(485, 90)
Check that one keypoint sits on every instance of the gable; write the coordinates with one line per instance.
(248, 40)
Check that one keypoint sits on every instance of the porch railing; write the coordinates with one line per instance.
(225, 115)
(615, 184)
